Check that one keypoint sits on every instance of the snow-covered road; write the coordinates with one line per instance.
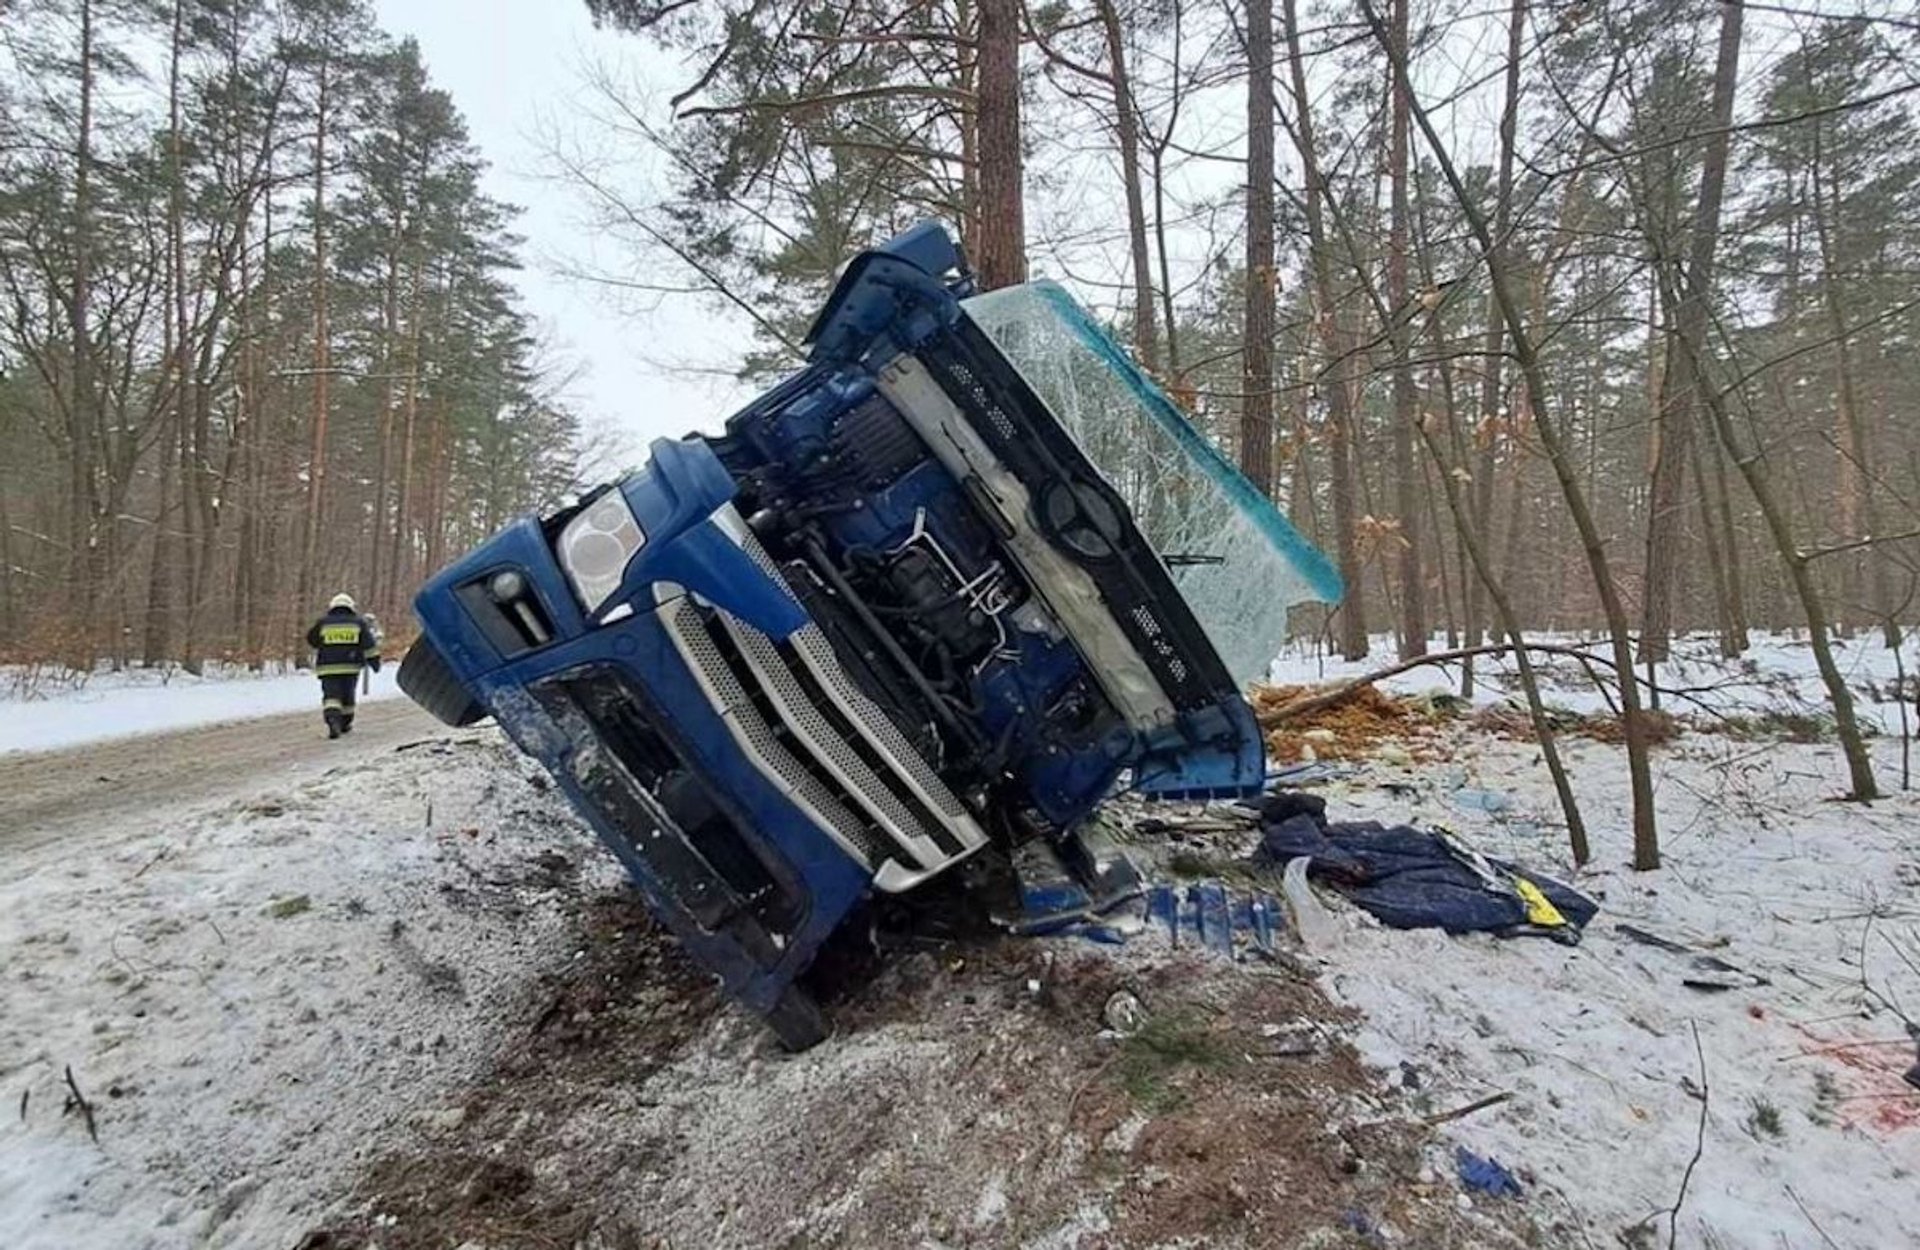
(89, 788)
(37, 716)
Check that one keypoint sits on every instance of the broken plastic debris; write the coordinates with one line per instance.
(1490, 801)
(1311, 920)
(1485, 1175)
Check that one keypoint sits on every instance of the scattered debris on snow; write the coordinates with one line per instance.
(412, 1004)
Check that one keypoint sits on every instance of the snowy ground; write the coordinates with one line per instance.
(37, 715)
(1810, 1134)
(253, 996)
(272, 997)
(1777, 675)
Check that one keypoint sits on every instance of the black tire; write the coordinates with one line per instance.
(428, 681)
(797, 1021)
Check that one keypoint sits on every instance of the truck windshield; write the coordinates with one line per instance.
(1234, 557)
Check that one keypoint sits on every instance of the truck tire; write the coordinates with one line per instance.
(428, 681)
(797, 1021)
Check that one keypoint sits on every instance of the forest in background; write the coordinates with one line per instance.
(1304, 267)
(1549, 315)
(258, 338)
(1542, 316)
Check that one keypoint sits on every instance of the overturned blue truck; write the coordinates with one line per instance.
(920, 608)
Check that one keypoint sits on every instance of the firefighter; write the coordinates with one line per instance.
(343, 643)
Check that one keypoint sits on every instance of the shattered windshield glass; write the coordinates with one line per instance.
(1234, 557)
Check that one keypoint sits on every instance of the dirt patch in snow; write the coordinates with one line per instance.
(971, 1096)
(1351, 729)
(1510, 720)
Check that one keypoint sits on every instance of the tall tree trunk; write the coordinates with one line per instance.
(967, 61)
(1863, 580)
(1413, 598)
(1646, 842)
(1336, 388)
(9, 597)
(1166, 267)
(322, 342)
(1256, 349)
(1733, 637)
(1126, 124)
(174, 445)
(377, 583)
(257, 519)
(1486, 437)
(195, 491)
(1002, 258)
(1679, 392)
(1710, 541)
(399, 562)
(157, 640)
(82, 404)
(440, 479)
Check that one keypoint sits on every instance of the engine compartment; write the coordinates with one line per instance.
(900, 565)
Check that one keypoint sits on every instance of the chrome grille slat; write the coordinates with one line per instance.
(757, 738)
(806, 722)
(813, 647)
(922, 823)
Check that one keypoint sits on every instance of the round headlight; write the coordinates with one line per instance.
(596, 547)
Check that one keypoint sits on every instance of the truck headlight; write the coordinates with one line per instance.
(596, 547)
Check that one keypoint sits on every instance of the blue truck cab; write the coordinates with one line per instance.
(894, 619)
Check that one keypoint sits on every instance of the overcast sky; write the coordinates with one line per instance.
(514, 68)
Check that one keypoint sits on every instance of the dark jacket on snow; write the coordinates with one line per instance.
(343, 643)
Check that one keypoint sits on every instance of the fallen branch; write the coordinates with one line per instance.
(1856, 544)
(1699, 1140)
(76, 1101)
(1586, 659)
(162, 854)
(1810, 1219)
(1461, 1113)
(1329, 698)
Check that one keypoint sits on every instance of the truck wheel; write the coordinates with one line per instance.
(797, 1022)
(428, 681)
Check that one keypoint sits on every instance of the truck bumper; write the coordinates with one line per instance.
(750, 791)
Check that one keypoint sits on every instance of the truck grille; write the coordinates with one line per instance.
(751, 730)
(834, 741)
(809, 723)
